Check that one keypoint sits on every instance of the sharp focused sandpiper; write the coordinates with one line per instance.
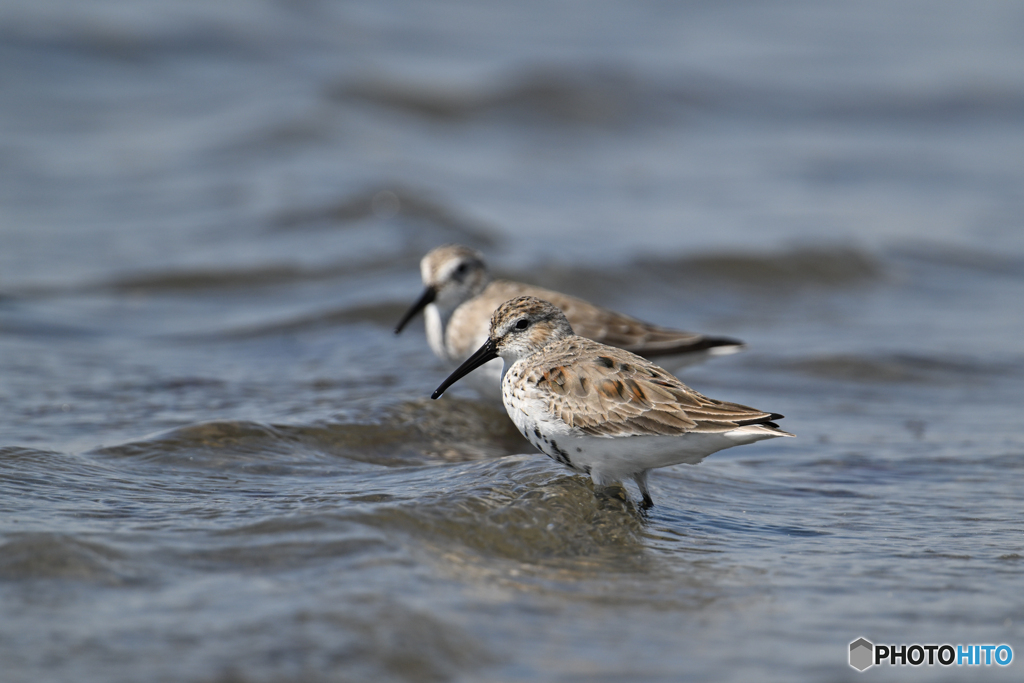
(601, 410)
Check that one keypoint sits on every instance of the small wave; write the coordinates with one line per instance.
(20, 454)
(962, 258)
(60, 556)
(392, 642)
(414, 433)
(446, 223)
(420, 432)
(955, 102)
(417, 221)
(28, 474)
(524, 509)
(18, 318)
(770, 274)
(190, 280)
(898, 368)
(213, 278)
(382, 315)
(614, 95)
(825, 266)
(217, 445)
(601, 96)
(276, 545)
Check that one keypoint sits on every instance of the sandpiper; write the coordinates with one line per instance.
(459, 298)
(602, 410)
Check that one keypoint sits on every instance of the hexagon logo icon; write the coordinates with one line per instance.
(861, 654)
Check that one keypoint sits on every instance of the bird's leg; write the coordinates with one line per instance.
(641, 481)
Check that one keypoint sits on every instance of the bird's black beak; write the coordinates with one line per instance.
(487, 352)
(428, 295)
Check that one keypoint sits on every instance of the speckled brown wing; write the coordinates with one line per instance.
(603, 391)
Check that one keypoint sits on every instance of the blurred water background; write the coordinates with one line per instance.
(218, 464)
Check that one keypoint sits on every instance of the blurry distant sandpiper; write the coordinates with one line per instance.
(459, 298)
(602, 410)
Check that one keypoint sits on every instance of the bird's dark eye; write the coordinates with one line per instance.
(462, 268)
(522, 324)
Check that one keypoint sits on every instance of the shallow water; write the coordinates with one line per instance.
(217, 463)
